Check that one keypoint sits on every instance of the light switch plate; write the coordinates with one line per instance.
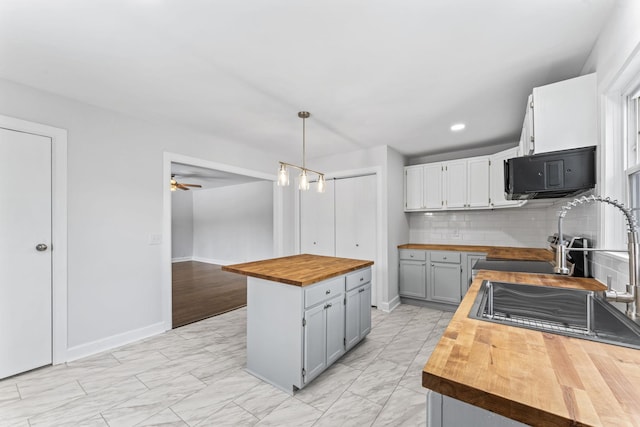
(155, 238)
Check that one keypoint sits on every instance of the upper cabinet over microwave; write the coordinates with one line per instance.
(561, 116)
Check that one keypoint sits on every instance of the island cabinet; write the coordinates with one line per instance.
(295, 332)
(357, 307)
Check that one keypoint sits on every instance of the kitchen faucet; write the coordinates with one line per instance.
(632, 295)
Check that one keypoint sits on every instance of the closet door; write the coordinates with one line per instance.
(356, 217)
(317, 221)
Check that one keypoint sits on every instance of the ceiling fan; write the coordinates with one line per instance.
(175, 184)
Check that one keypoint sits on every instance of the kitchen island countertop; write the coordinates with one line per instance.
(534, 377)
(298, 270)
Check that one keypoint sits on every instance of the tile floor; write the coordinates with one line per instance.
(194, 376)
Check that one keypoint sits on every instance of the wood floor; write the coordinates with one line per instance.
(203, 290)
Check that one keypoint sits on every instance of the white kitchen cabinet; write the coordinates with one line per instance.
(432, 187)
(455, 184)
(561, 116)
(455, 180)
(423, 187)
(317, 224)
(496, 179)
(478, 188)
(357, 307)
(413, 188)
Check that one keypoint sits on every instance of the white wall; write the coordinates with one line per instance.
(115, 201)
(398, 221)
(233, 224)
(181, 225)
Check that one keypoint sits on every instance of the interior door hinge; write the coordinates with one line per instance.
(489, 162)
(344, 341)
(304, 322)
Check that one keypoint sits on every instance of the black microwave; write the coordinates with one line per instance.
(551, 175)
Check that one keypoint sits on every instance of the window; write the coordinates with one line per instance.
(633, 156)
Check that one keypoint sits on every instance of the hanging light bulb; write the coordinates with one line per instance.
(303, 179)
(283, 176)
(321, 184)
(303, 183)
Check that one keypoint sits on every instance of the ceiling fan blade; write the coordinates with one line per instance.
(182, 187)
(192, 185)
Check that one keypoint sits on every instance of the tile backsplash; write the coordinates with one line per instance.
(502, 227)
(527, 226)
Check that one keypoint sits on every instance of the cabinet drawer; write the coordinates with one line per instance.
(358, 278)
(413, 254)
(323, 291)
(445, 256)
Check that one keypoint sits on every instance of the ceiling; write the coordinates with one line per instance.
(208, 178)
(371, 72)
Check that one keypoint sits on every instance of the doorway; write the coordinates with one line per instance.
(33, 309)
(217, 217)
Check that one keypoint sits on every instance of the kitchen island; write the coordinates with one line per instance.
(303, 313)
(534, 377)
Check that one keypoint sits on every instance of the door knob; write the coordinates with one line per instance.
(41, 247)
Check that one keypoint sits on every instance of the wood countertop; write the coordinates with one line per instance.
(535, 377)
(298, 270)
(493, 252)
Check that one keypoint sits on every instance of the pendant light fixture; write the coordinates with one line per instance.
(303, 179)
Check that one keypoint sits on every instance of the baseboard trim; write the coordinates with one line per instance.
(108, 343)
(182, 259)
(215, 261)
(388, 307)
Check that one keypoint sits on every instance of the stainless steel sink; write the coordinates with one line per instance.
(570, 312)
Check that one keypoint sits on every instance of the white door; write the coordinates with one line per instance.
(317, 221)
(25, 275)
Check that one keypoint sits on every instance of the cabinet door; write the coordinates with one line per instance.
(466, 277)
(526, 137)
(497, 178)
(432, 186)
(352, 318)
(445, 282)
(334, 309)
(317, 223)
(455, 194)
(413, 180)
(356, 217)
(478, 182)
(315, 342)
(412, 279)
(365, 310)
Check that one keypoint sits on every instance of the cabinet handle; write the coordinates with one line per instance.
(328, 291)
(327, 305)
(357, 245)
(361, 290)
(444, 257)
(432, 265)
(361, 279)
(411, 255)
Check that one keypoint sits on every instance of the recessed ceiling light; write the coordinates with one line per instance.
(458, 127)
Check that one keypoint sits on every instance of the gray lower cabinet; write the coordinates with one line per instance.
(413, 274)
(445, 274)
(323, 336)
(436, 276)
(294, 333)
(357, 314)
